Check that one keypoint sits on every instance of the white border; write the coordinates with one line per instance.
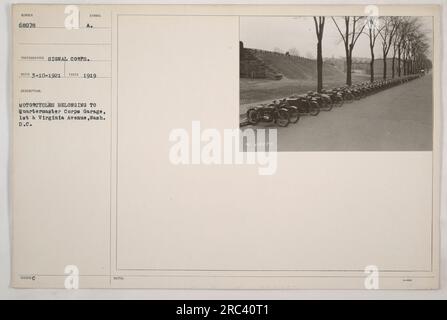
(7, 293)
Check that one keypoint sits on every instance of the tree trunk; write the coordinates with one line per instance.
(405, 66)
(349, 70)
(348, 64)
(384, 67)
(319, 65)
(371, 50)
(393, 71)
(399, 61)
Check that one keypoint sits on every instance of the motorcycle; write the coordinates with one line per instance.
(323, 100)
(294, 114)
(335, 96)
(345, 93)
(305, 104)
(269, 114)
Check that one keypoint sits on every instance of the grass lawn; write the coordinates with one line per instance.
(258, 90)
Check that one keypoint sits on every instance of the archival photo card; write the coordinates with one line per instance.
(225, 147)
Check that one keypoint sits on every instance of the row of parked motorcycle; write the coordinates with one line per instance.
(288, 110)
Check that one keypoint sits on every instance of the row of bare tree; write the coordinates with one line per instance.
(403, 34)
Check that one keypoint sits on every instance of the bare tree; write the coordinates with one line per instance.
(400, 38)
(387, 33)
(393, 63)
(419, 50)
(405, 32)
(415, 47)
(410, 46)
(352, 31)
(319, 29)
(397, 41)
(372, 33)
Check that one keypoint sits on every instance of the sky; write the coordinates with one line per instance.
(285, 33)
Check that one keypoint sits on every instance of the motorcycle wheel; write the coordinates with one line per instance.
(349, 97)
(314, 109)
(253, 116)
(282, 118)
(294, 115)
(329, 105)
(338, 102)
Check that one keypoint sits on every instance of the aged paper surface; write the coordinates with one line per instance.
(100, 94)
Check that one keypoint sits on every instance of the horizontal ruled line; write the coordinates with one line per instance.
(89, 28)
(37, 78)
(64, 44)
(80, 61)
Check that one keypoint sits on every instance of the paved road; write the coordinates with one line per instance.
(397, 119)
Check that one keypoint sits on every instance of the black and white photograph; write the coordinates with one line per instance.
(338, 83)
